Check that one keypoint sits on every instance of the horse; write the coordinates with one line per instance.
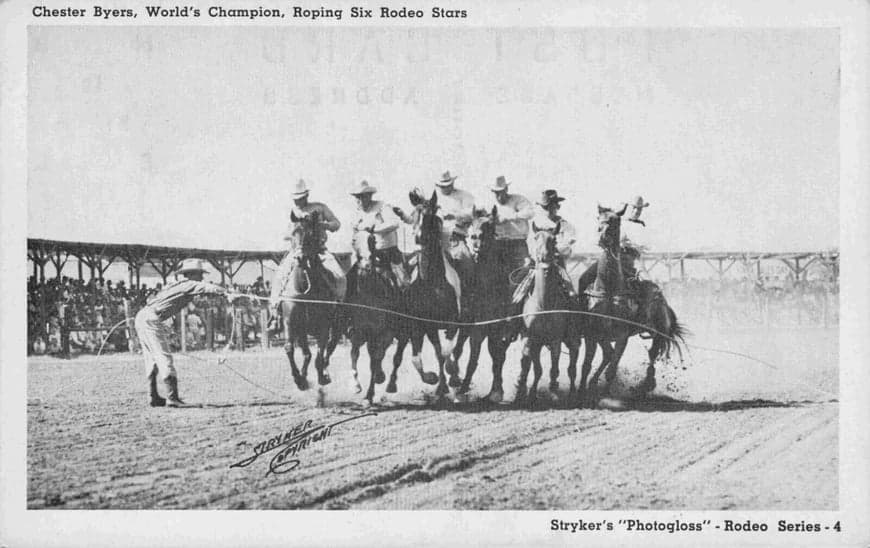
(487, 297)
(306, 281)
(371, 295)
(550, 330)
(618, 313)
(431, 297)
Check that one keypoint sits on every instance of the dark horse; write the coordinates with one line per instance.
(638, 310)
(549, 330)
(306, 281)
(372, 296)
(488, 297)
(430, 297)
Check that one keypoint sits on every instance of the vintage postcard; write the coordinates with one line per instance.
(542, 274)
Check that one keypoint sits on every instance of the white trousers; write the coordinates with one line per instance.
(154, 339)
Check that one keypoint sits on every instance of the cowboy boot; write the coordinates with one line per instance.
(172, 399)
(156, 400)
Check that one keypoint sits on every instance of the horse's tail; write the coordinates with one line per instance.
(672, 334)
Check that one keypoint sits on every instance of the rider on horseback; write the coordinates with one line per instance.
(565, 239)
(455, 209)
(377, 218)
(334, 275)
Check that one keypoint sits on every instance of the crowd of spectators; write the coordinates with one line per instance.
(68, 314)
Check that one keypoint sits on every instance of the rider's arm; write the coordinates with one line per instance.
(524, 209)
(330, 222)
(388, 220)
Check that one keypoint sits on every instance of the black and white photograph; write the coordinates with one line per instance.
(307, 258)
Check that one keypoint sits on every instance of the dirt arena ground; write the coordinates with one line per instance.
(720, 432)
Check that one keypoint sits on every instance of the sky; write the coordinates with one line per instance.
(193, 136)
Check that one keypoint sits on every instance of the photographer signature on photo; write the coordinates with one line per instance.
(291, 443)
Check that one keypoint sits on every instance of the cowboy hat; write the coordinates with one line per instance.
(500, 184)
(548, 197)
(446, 179)
(639, 203)
(363, 187)
(191, 265)
(300, 189)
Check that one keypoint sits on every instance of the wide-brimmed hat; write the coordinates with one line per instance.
(639, 203)
(500, 184)
(300, 189)
(446, 179)
(548, 197)
(192, 265)
(363, 187)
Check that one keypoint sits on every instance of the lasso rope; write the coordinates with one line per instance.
(539, 313)
(221, 360)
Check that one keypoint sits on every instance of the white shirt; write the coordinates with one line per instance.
(459, 204)
(513, 217)
(379, 216)
(564, 239)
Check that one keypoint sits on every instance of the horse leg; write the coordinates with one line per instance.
(573, 353)
(321, 361)
(555, 350)
(451, 360)
(427, 377)
(649, 383)
(583, 389)
(610, 375)
(475, 342)
(525, 363)
(290, 350)
(435, 340)
(356, 341)
(497, 352)
(607, 355)
(306, 355)
(376, 355)
(539, 371)
(398, 355)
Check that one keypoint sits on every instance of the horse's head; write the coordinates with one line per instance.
(307, 234)
(430, 226)
(545, 245)
(481, 232)
(609, 227)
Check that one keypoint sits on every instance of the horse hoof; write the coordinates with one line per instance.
(495, 397)
(355, 387)
(367, 403)
(301, 383)
(324, 379)
(442, 390)
(430, 378)
(380, 377)
(455, 382)
(391, 388)
(463, 389)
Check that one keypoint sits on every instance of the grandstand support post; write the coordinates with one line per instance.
(64, 331)
(239, 328)
(209, 328)
(81, 274)
(683, 270)
(182, 329)
(132, 341)
(264, 327)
